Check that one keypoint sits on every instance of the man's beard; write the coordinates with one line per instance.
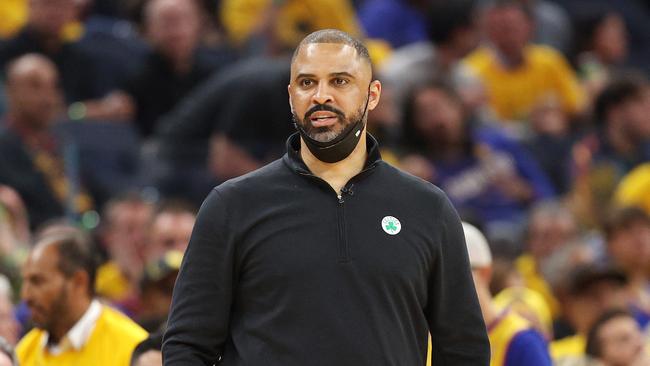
(328, 133)
(57, 313)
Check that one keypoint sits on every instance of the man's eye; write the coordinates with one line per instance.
(339, 81)
(306, 82)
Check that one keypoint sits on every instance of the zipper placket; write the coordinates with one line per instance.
(344, 248)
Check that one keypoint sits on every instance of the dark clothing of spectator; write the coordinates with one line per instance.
(551, 153)
(469, 180)
(156, 87)
(19, 171)
(79, 77)
(246, 101)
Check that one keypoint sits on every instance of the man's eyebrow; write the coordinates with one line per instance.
(304, 75)
(335, 74)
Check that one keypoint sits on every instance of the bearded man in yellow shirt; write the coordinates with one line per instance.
(72, 328)
(519, 76)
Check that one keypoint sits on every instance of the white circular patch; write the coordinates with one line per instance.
(391, 225)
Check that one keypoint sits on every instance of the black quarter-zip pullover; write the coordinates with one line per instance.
(281, 270)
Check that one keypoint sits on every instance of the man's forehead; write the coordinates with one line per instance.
(44, 251)
(328, 57)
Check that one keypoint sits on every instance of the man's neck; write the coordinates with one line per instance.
(339, 173)
(76, 311)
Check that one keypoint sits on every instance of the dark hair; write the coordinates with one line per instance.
(594, 347)
(445, 17)
(587, 23)
(412, 139)
(151, 343)
(75, 250)
(517, 4)
(620, 90)
(622, 218)
(334, 36)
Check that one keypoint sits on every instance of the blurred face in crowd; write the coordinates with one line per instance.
(9, 327)
(549, 230)
(128, 222)
(630, 246)
(32, 91)
(49, 16)
(170, 231)
(438, 116)
(173, 27)
(593, 301)
(610, 39)
(635, 115)
(509, 29)
(46, 290)
(621, 341)
(329, 89)
(149, 358)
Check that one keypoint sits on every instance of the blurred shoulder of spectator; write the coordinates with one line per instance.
(634, 188)
(400, 22)
(52, 29)
(272, 27)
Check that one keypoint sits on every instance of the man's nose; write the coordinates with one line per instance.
(322, 95)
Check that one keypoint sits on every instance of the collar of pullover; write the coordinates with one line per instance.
(295, 162)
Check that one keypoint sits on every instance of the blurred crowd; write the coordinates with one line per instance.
(117, 117)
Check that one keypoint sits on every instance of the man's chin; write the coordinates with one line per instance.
(325, 136)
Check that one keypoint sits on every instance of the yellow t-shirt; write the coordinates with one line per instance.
(111, 343)
(526, 266)
(13, 14)
(545, 76)
(111, 283)
(293, 21)
(502, 333)
(568, 350)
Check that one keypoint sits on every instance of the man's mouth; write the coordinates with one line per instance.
(323, 119)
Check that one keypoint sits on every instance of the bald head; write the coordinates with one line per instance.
(29, 65)
(32, 91)
(334, 36)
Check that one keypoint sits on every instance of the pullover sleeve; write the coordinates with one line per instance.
(458, 333)
(199, 315)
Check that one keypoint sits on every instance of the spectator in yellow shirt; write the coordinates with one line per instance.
(13, 14)
(72, 327)
(281, 24)
(519, 75)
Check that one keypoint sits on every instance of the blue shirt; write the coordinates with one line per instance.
(394, 21)
(528, 348)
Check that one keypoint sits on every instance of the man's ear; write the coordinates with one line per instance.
(80, 280)
(374, 94)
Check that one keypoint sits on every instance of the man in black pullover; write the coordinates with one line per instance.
(328, 256)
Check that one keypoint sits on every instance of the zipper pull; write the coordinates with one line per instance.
(340, 197)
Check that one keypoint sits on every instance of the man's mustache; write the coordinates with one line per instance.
(324, 107)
